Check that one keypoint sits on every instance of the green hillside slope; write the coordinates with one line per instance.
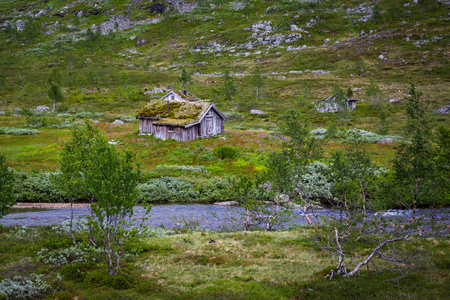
(301, 48)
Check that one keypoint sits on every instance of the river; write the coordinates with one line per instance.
(210, 217)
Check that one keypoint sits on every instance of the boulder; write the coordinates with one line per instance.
(141, 42)
(42, 108)
(118, 122)
(444, 110)
(257, 112)
(20, 24)
(385, 141)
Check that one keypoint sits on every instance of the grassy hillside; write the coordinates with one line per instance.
(112, 54)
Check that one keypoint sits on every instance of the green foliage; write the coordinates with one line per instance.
(332, 130)
(383, 125)
(261, 207)
(55, 78)
(7, 180)
(375, 94)
(185, 78)
(229, 89)
(36, 187)
(62, 108)
(173, 190)
(46, 121)
(90, 165)
(100, 278)
(25, 287)
(130, 92)
(341, 101)
(226, 152)
(76, 271)
(258, 82)
(74, 254)
(167, 189)
(413, 165)
(349, 92)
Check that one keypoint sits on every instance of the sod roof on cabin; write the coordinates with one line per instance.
(180, 112)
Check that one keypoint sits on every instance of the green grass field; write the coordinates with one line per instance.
(239, 265)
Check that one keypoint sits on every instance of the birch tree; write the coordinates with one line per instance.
(90, 165)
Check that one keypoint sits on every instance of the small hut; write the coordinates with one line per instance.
(330, 104)
(180, 118)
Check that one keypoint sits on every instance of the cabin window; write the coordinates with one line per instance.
(172, 97)
(170, 128)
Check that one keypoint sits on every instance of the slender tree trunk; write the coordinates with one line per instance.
(416, 193)
(71, 221)
(345, 201)
(374, 252)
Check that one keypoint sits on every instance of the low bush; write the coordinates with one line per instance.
(76, 271)
(187, 190)
(226, 152)
(36, 187)
(62, 108)
(74, 254)
(47, 122)
(128, 118)
(101, 278)
(196, 169)
(17, 131)
(167, 189)
(25, 287)
(233, 116)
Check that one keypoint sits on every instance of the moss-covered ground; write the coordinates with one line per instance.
(250, 265)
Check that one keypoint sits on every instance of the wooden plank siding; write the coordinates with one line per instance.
(211, 124)
(213, 120)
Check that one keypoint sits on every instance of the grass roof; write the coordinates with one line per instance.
(180, 112)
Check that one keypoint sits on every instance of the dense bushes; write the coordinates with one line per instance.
(226, 152)
(36, 187)
(25, 287)
(169, 189)
(17, 131)
(41, 187)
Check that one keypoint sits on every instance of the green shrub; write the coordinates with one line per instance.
(76, 271)
(17, 131)
(128, 118)
(25, 287)
(183, 168)
(36, 187)
(101, 278)
(226, 152)
(26, 112)
(74, 254)
(62, 108)
(45, 121)
(169, 189)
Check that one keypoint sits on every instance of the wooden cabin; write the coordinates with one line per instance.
(330, 105)
(180, 118)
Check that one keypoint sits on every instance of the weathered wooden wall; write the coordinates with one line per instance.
(211, 125)
(162, 131)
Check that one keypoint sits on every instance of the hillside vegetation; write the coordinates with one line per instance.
(301, 48)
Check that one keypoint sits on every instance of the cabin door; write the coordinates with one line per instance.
(209, 125)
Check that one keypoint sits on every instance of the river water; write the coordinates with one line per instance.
(210, 217)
